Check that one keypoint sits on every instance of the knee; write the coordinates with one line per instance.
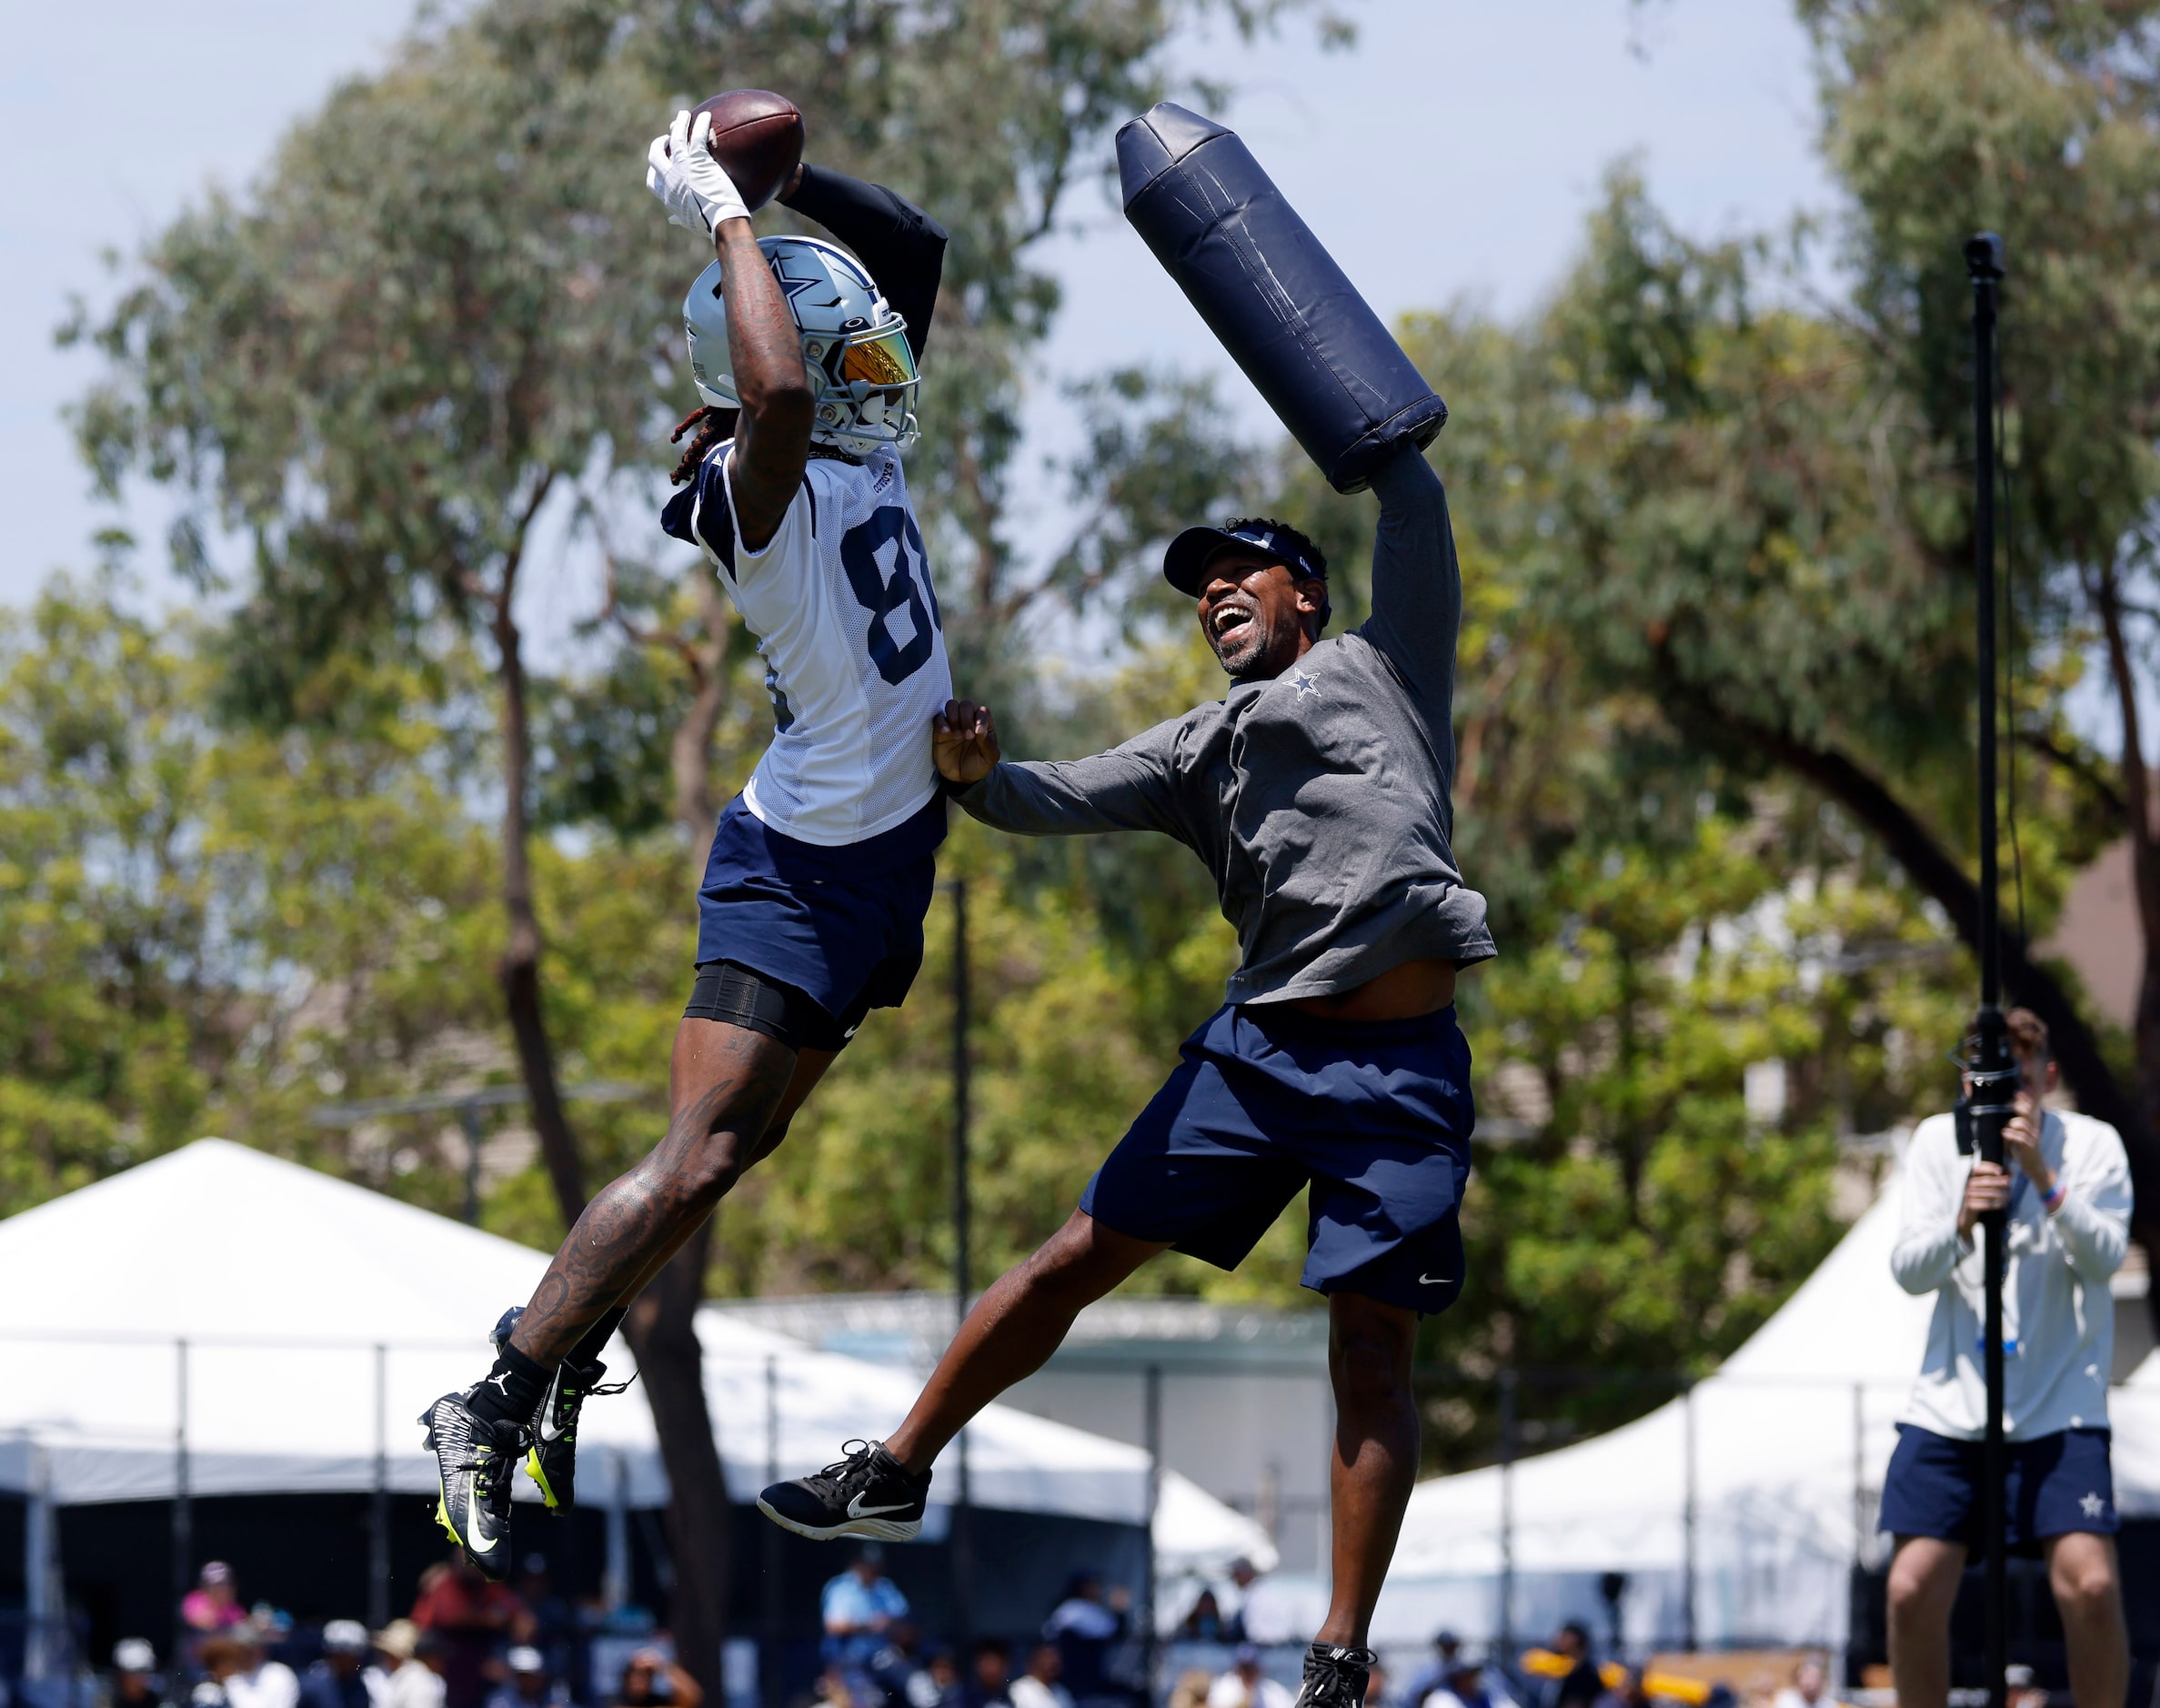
(709, 1167)
(1369, 1355)
(2085, 1591)
(1074, 1263)
(1915, 1595)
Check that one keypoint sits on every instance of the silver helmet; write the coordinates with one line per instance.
(862, 373)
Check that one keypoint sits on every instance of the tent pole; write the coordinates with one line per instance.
(1508, 1427)
(1154, 1427)
(769, 1665)
(182, 1509)
(378, 1513)
(1687, 1519)
(39, 1655)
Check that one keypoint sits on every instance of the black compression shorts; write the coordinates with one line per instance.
(736, 996)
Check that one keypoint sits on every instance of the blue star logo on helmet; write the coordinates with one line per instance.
(855, 348)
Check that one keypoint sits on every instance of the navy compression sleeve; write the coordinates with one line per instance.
(902, 246)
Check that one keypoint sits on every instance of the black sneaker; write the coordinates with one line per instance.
(475, 1459)
(551, 1457)
(868, 1494)
(1336, 1677)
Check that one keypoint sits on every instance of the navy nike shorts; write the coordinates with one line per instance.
(2053, 1485)
(840, 926)
(1375, 1116)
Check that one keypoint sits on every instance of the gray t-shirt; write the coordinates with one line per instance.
(1320, 799)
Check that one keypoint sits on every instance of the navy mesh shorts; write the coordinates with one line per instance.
(842, 926)
(2053, 1485)
(1375, 1116)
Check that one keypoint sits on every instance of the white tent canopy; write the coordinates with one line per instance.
(278, 1330)
(1781, 1455)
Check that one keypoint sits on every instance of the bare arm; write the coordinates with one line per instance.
(773, 441)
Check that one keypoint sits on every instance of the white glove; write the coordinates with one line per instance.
(692, 185)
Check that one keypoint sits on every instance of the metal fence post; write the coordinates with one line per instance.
(1508, 1381)
(183, 1512)
(1152, 1426)
(378, 1514)
(1687, 1519)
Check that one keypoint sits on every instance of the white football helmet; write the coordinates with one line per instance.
(862, 372)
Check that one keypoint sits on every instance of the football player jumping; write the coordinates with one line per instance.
(821, 870)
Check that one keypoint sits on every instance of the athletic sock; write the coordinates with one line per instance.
(594, 1342)
(512, 1392)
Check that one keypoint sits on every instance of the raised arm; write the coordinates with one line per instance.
(1417, 586)
(772, 437)
(902, 246)
(1129, 787)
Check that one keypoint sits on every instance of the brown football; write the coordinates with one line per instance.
(756, 137)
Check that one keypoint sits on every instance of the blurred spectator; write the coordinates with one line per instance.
(471, 1617)
(938, 1684)
(1463, 1687)
(1205, 1623)
(1376, 1687)
(1631, 1693)
(1243, 1575)
(990, 1676)
(1447, 1649)
(1039, 1685)
(342, 1678)
(896, 1667)
(257, 1680)
(529, 1685)
(135, 1683)
(860, 1606)
(416, 1665)
(214, 1605)
(834, 1690)
(653, 1676)
(1580, 1687)
(1809, 1688)
(1083, 1626)
(1246, 1686)
(1192, 1689)
(554, 1621)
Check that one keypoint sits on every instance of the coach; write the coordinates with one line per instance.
(2067, 1194)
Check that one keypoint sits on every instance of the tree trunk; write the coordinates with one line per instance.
(662, 1330)
(1939, 875)
(519, 969)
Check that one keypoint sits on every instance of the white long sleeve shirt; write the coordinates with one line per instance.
(2058, 1318)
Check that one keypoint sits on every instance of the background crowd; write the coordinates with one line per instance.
(470, 1644)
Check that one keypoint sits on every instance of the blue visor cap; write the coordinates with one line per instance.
(1185, 564)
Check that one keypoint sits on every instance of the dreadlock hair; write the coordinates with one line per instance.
(713, 425)
(1305, 543)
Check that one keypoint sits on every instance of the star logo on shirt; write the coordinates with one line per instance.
(2091, 1505)
(1304, 684)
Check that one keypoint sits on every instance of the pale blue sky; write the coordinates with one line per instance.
(1453, 153)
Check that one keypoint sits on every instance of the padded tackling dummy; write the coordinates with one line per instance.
(1275, 298)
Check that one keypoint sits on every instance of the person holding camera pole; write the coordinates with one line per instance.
(2065, 1190)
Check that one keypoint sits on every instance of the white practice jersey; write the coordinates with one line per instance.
(847, 620)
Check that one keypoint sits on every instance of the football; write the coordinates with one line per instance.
(756, 137)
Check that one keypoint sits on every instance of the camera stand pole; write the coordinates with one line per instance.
(1993, 1073)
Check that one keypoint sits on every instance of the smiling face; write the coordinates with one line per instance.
(1257, 617)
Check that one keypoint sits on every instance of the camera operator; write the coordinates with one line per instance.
(2066, 1188)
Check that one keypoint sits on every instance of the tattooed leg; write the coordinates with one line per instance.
(810, 1068)
(727, 1084)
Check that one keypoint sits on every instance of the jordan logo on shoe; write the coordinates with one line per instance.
(856, 1509)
